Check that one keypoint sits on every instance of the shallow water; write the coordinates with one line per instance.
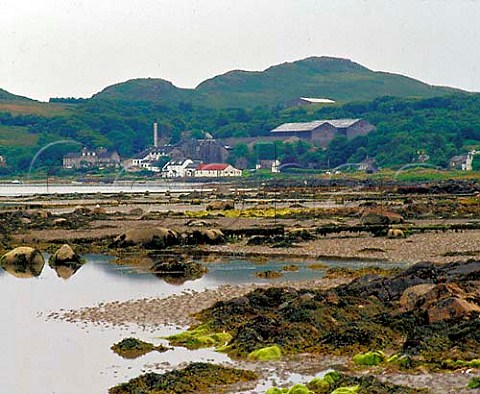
(50, 356)
(28, 189)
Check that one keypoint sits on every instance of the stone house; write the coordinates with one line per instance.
(91, 158)
(462, 162)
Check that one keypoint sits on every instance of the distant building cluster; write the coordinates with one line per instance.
(91, 158)
(206, 157)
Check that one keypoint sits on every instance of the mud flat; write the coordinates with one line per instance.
(426, 317)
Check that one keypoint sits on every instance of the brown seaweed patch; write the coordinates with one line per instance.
(268, 274)
(133, 348)
(195, 378)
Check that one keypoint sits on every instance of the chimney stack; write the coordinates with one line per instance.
(155, 135)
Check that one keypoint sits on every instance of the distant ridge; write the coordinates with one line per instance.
(341, 80)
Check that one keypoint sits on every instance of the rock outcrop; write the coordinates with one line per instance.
(65, 261)
(23, 262)
(220, 205)
(380, 217)
(204, 236)
(149, 238)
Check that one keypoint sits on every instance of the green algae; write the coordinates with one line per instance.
(299, 389)
(275, 390)
(201, 337)
(325, 384)
(452, 364)
(336, 383)
(269, 353)
(474, 383)
(369, 358)
(346, 390)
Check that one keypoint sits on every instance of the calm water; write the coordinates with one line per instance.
(44, 356)
(126, 187)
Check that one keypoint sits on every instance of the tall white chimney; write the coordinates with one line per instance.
(155, 135)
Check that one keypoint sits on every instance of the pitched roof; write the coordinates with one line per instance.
(459, 158)
(309, 126)
(212, 167)
(72, 155)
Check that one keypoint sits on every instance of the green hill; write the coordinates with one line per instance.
(146, 90)
(325, 77)
(7, 96)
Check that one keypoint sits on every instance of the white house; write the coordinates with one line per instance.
(216, 170)
(145, 160)
(179, 168)
(272, 165)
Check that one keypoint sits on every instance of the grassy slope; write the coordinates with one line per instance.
(12, 136)
(149, 89)
(35, 108)
(338, 79)
(4, 95)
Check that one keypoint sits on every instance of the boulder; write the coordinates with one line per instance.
(220, 205)
(178, 272)
(64, 255)
(65, 262)
(150, 238)
(451, 308)
(380, 217)
(395, 233)
(80, 210)
(205, 236)
(447, 301)
(98, 210)
(412, 295)
(136, 211)
(23, 262)
(43, 214)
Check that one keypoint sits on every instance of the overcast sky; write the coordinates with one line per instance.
(60, 48)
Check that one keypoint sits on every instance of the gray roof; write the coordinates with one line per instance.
(309, 126)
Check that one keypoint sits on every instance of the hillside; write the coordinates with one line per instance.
(325, 77)
(334, 78)
(145, 90)
(7, 96)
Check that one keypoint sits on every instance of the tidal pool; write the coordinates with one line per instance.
(44, 356)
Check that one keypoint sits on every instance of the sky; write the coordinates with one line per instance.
(75, 48)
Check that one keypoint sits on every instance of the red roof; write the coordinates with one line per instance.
(212, 167)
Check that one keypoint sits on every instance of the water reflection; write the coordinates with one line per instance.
(66, 271)
(65, 262)
(54, 362)
(176, 272)
(23, 263)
